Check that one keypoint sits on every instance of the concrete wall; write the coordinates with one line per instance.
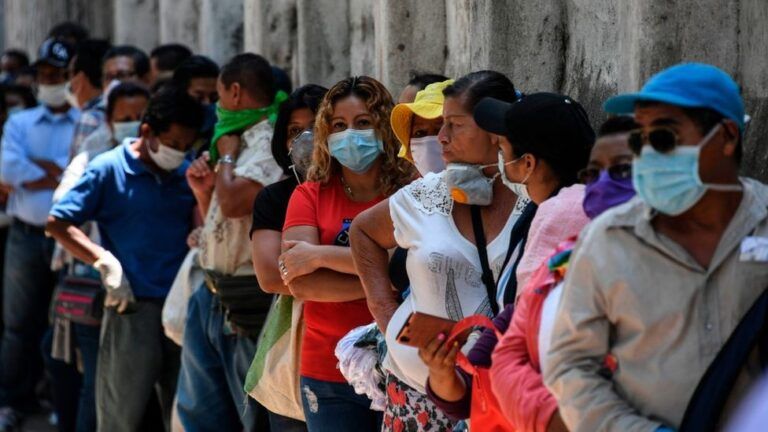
(589, 49)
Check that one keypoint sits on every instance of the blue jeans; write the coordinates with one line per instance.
(87, 341)
(27, 287)
(278, 423)
(331, 406)
(210, 394)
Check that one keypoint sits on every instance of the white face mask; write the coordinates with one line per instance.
(123, 130)
(427, 154)
(71, 97)
(165, 157)
(519, 189)
(54, 96)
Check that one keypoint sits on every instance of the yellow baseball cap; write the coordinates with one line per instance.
(428, 104)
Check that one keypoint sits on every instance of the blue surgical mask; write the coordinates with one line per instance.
(123, 130)
(670, 182)
(355, 149)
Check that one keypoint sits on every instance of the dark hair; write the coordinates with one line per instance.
(308, 96)
(196, 66)
(26, 94)
(422, 80)
(88, 57)
(140, 59)
(170, 56)
(282, 80)
(704, 119)
(477, 85)
(171, 104)
(70, 31)
(19, 55)
(617, 124)
(254, 74)
(124, 90)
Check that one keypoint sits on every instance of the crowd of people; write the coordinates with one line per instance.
(202, 247)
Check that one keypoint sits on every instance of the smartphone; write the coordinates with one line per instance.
(420, 329)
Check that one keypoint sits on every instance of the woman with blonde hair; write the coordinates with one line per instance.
(354, 166)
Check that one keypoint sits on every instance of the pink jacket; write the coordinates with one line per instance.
(516, 370)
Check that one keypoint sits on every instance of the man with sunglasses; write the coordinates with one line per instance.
(660, 283)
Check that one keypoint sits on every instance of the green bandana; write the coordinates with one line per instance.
(234, 121)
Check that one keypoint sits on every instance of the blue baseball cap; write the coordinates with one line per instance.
(689, 85)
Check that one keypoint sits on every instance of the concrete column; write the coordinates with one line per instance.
(221, 29)
(362, 38)
(179, 21)
(412, 38)
(323, 41)
(137, 23)
(520, 38)
(457, 37)
(27, 22)
(95, 15)
(270, 30)
(752, 52)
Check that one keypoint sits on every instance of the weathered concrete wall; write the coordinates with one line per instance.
(27, 22)
(590, 49)
(179, 22)
(221, 29)
(136, 22)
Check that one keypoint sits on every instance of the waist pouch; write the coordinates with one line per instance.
(80, 300)
(245, 304)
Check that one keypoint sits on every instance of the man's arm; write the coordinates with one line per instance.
(235, 194)
(16, 168)
(580, 342)
(74, 240)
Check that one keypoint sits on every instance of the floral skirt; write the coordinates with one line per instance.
(410, 411)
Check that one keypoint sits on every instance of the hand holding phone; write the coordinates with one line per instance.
(420, 329)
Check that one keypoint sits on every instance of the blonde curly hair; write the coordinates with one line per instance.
(395, 172)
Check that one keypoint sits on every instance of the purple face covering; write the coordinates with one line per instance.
(606, 193)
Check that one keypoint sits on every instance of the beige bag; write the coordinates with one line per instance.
(188, 279)
(273, 378)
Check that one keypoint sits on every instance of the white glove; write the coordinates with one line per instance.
(119, 294)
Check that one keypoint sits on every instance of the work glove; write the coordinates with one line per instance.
(119, 294)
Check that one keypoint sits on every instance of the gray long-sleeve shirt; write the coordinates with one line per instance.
(639, 296)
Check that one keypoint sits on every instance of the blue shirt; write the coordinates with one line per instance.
(143, 218)
(35, 133)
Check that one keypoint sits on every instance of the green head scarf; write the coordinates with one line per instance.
(235, 121)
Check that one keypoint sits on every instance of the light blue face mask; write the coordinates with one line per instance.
(355, 149)
(123, 130)
(670, 182)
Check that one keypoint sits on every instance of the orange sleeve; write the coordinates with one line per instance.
(515, 380)
(302, 207)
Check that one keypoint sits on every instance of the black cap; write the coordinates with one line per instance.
(548, 118)
(548, 125)
(55, 52)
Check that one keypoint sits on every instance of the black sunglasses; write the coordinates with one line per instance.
(662, 139)
(617, 172)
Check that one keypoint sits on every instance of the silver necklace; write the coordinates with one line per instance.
(347, 189)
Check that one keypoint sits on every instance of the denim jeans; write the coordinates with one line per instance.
(27, 287)
(87, 341)
(331, 406)
(278, 423)
(135, 359)
(65, 386)
(213, 367)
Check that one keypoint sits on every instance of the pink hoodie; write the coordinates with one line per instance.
(556, 220)
(516, 370)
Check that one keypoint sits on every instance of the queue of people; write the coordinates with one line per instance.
(199, 247)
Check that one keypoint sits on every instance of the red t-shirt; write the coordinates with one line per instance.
(327, 208)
